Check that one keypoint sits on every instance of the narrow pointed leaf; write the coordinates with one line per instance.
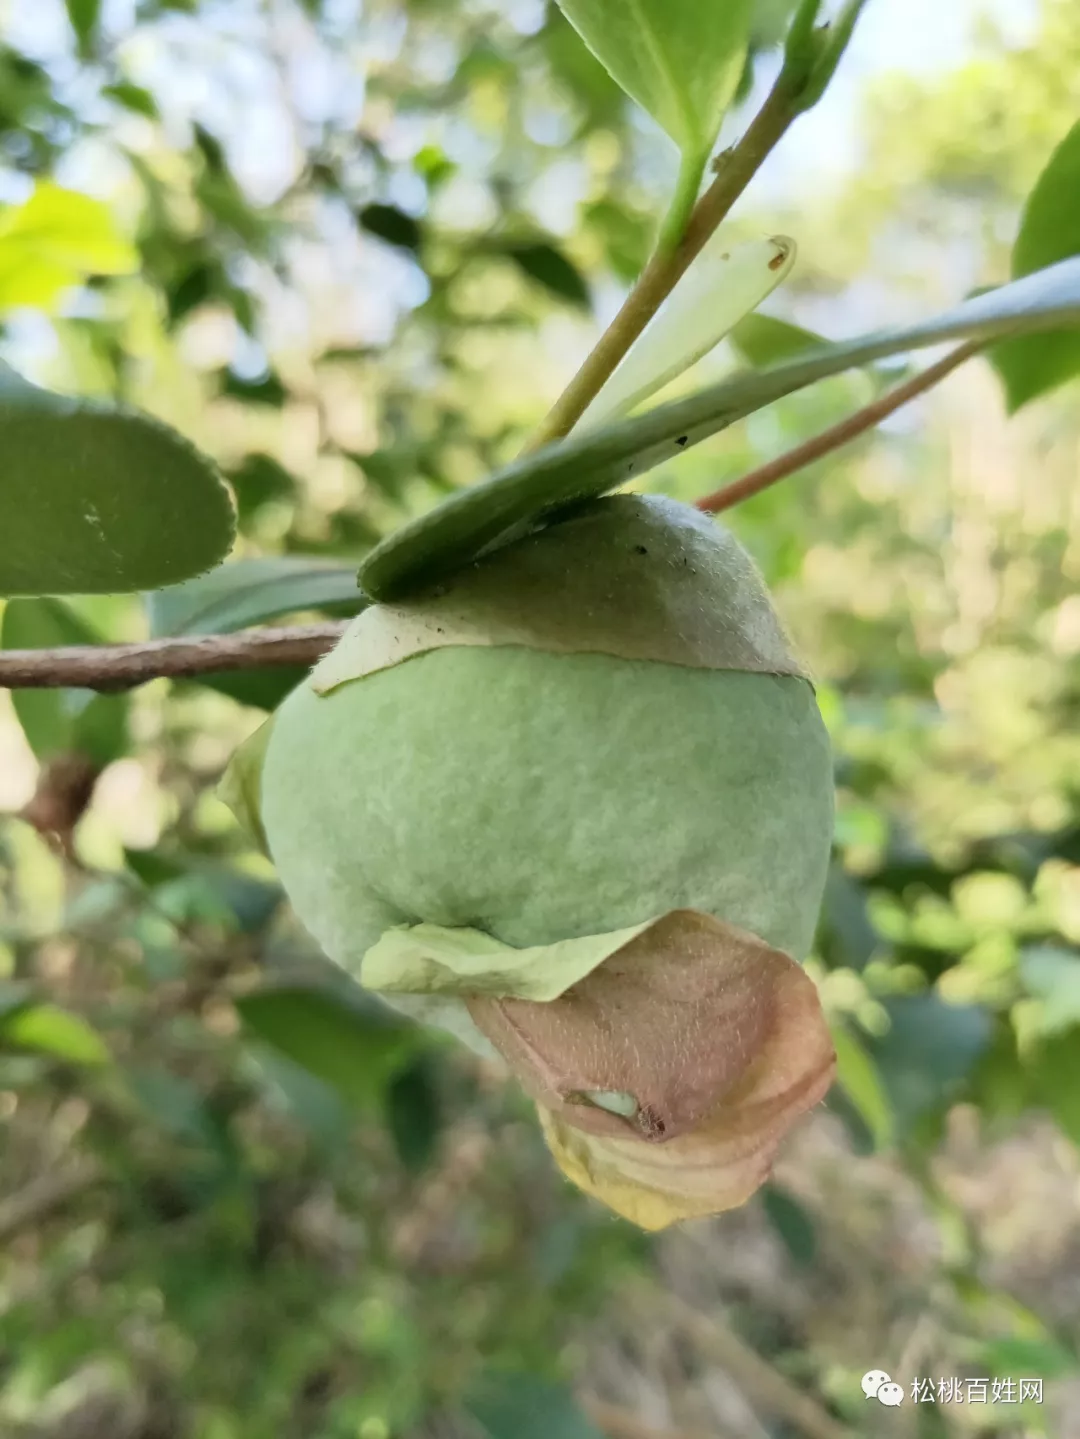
(723, 286)
(515, 499)
(247, 592)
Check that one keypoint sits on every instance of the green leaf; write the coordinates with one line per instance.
(541, 483)
(48, 1029)
(101, 500)
(84, 16)
(62, 720)
(929, 1051)
(1052, 973)
(1055, 1079)
(394, 226)
(53, 241)
(1049, 232)
(763, 340)
(793, 1223)
(133, 97)
(548, 266)
(333, 1037)
(247, 592)
(414, 1112)
(722, 286)
(857, 1076)
(679, 59)
(509, 1405)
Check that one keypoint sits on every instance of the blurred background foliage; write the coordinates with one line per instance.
(354, 253)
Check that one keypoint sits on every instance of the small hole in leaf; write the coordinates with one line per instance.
(683, 440)
(640, 550)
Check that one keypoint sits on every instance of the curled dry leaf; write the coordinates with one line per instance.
(637, 577)
(721, 1162)
(673, 1019)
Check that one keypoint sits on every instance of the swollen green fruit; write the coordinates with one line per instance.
(576, 804)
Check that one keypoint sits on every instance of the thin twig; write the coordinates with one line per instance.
(43, 1196)
(837, 435)
(667, 266)
(764, 1386)
(119, 667)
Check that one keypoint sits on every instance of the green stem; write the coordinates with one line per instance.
(691, 169)
(667, 267)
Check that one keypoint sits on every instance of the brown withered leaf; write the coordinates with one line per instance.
(669, 1024)
(720, 1165)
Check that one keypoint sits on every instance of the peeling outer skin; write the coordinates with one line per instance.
(675, 1019)
(239, 787)
(722, 1164)
(640, 577)
(430, 959)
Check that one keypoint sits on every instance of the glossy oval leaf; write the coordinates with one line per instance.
(1049, 232)
(250, 591)
(679, 59)
(518, 497)
(99, 500)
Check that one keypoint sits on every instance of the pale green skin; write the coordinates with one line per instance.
(542, 797)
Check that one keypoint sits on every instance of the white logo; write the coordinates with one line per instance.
(876, 1384)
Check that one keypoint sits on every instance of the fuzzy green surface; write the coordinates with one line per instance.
(541, 797)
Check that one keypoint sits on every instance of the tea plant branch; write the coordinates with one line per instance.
(120, 667)
(765, 1387)
(838, 435)
(812, 55)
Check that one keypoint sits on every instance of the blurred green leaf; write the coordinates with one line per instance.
(1037, 1358)
(1052, 974)
(576, 469)
(414, 1112)
(84, 16)
(1054, 1071)
(679, 60)
(509, 1405)
(52, 242)
(792, 1221)
(269, 390)
(133, 97)
(930, 1049)
(394, 226)
(353, 1050)
(1049, 232)
(47, 1029)
(58, 721)
(858, 1077)
(249, 591)
(97, 500)
(548, 266)
(764, 340)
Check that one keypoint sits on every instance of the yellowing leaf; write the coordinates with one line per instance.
(723, 285)
(54, 1031)
(53, 241)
